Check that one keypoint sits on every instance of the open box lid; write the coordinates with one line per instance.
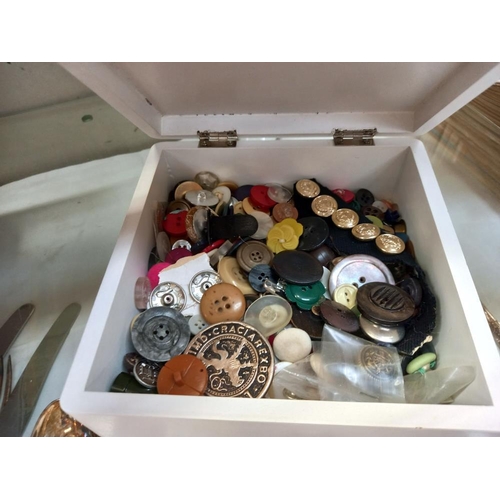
(172, 100)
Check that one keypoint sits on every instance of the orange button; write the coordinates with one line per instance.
(183, 375)
(222, 302)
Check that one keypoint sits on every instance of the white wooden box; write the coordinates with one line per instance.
(292, 141)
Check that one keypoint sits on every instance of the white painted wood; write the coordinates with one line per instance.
(395, 167)
(282, 98)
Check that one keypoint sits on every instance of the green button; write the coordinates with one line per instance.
(423, 363)
(305, 296)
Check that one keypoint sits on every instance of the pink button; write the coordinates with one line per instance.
(176, 254)
(154, 272)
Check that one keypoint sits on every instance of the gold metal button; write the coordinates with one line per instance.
(307, 188)
(365, 232)
(324, 205)
(390, 243)
(345, 218)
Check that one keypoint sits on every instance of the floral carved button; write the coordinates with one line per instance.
(284, 235)
(222, 302)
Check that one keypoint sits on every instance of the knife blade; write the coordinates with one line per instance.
(14, 326)
(17, 413)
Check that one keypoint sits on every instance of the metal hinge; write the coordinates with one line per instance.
(354, 137)
(226, 139)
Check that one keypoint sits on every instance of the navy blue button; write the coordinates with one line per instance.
(243, 192)
(259, 274)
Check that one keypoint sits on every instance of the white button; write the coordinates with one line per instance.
(292, 344)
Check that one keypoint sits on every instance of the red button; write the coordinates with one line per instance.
(175, 223)
(345, 195)
(176, 254)
(259, 198)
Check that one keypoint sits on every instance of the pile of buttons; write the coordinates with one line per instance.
(239, 281)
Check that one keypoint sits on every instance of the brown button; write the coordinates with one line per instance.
(283, 211)
(222, 302)
(339, 316)
(184, 187)
(183, 375)
(253, 253)
(307, 321)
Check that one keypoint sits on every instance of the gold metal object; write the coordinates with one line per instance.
(55, 422)
(227, 139)
(324, 205)
(345, 218)
(307, 188)
(390, 243)
(365, 232)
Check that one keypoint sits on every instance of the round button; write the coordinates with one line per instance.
(345, 195)
(345, 218)
(315, 233)
(201, 282)
(184, 187)
(197, 324)
(247, 206)
(307, 321)
(324, 205)
(238, 208)
(265, 224)
(307, 188)
(160, 333)
(278, 193)
(223, 193)
(390, 244)
(258, 276)
(230, 184)
(385, 304)
(201, 198)
(207, 180)
(196, 223)
(364, 197)
(292, 344)
(184, 375)
(339, 316)
(141, 292)
(243, 192)
(163, 245)
(269, 314)
(168, 294)
(177, 206)
(222, 302)
(324, 255)
(129, 361)
(175, 223)
(260, 199)
(146, 373)
(346, 295)
(305, 296)
(379, 333)
(375, 221)
(253, 253)
(373, 211)
(283, 211)
(421, 363)
(177, 254)
(182, 244)
(357, 270)
(400, 226)
(413, 288)
(154, 273)
(231, 272)
(297, 267)
(365, 232)
(380, 205)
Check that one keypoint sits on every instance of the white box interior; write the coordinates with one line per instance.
(396, 168)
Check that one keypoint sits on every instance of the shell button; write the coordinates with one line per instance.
(315, 233)
(297, 267)
(183, 375)
(141, 292)
(222, 302)
(231, 272)
(160, 333)
(253, 253)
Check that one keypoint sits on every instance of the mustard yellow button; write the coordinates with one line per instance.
(284, 235)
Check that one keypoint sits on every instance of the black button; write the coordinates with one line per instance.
(373, 211)
(315, 233)
(364, 197)
(231, 226)
(297, 267)
(307, 321)
(324, 255)
(413, 288)
(385, 304)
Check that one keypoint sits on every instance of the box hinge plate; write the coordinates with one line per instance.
(226, 139)
(354, 137)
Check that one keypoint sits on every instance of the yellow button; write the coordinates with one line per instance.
(284, 235)
(345, 295)
(231, 272)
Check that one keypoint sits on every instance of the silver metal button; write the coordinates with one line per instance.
(146, 373)
(181, 244)
(389, 335)
(168, 294)
(201, 282)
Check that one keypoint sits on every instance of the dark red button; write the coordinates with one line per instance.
(175, 223)
(178, 253)
(345, 195)
(260, 199)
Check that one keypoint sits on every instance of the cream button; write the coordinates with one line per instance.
(292, 344)
(231, 272)
(345, 295)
